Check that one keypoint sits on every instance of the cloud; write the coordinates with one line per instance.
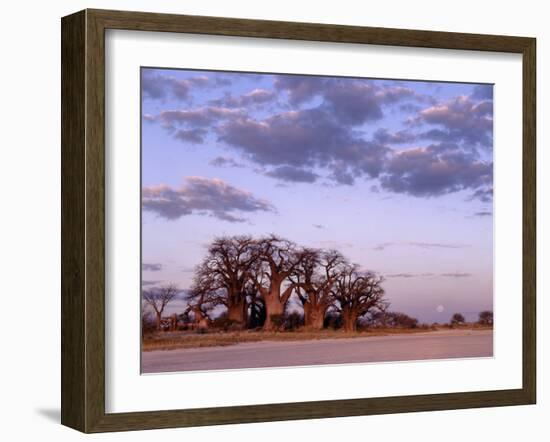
(420, 275)
(328, 140)
(351, 101)
(223, 79)
(409, 275)
(483, 214)
(385, 137)
(422, 245)
(312, 138)
(360, 101)
(158, 86)
(202, 196)
(354, 103)
(151, 267)
(331, 244)
(318, 226)
(255, 97)
(300, 88)
(145, 283)
(225, 162)
(305, 139)
(292, 174)
(434, 170)
(456, 275)
(200, 117)
(196, 135)
(319, 137)
(485, 195)
(459, 120)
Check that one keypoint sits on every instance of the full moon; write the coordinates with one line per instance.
(440, 308)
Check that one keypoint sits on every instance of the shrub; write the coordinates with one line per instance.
(401, 320)
(293, 321)
(333, 320)
(457, 319)
(148, 324)
(485, 317)
(224, 323)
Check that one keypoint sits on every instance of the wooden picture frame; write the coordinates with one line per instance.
(83, 220)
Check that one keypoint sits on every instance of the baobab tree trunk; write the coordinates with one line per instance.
(200, 320)
(202, 323)
(314, 316)
(275, 302)
(158, 320)
(349, 318)
(236, 313)
(273, 308)
(173, 322)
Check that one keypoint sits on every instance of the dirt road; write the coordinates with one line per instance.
(433, 345)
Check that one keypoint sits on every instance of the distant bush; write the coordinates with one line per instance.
(485, 317)
(373, 319)
(333, 320)
(457, 319)
(222, 322)
(293, 321)
(148, 324)
(400, 320)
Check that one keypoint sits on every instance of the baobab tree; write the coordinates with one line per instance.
(158, 298)
(313, 280)
(221, 277)
(278, 259)
(356, 293)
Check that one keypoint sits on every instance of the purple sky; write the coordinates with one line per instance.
(397, 175)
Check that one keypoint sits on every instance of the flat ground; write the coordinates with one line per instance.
(214, 338)
(444, 344)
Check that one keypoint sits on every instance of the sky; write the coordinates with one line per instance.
(397, 175)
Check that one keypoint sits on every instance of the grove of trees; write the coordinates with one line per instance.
(254, 279)
(245, 282)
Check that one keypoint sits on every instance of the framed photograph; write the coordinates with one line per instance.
(266, 221)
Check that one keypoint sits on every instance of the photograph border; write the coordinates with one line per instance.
(83, 219)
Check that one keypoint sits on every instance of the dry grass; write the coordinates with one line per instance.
(211, 338)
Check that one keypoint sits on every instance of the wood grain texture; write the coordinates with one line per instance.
(529, 220)
(83, 220)
(73, 255)
(144, 21)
